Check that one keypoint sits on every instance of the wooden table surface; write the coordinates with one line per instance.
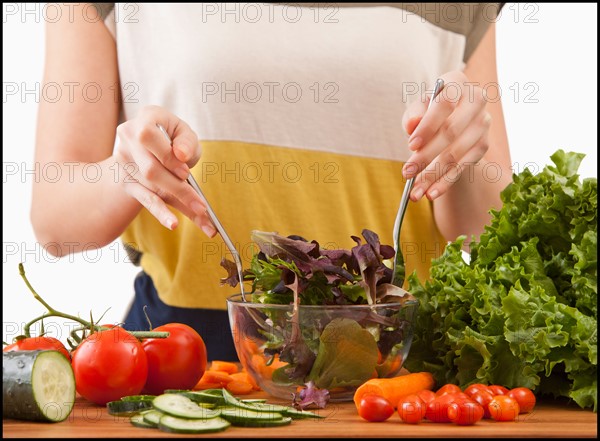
(549, 419)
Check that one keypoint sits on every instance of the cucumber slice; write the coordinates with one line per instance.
(127, 408)
(201, 396)
(181, 406)
(138, 421)
(139, 398)
(239, 416)
(299, 414)
(254, 400)
(267, 407)
(242, 421)
(169, 423)
(152, 416)
(37, 385)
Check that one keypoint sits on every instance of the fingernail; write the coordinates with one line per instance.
(418, 193)
(197, 207)
(209, 230)
(172, 223)
(433, 194)
(182, 172)
(415, 143)
(184, 149)
(409, 169)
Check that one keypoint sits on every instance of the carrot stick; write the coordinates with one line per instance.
(392, 389)
(238, 387)
(216, 377)
(202, 385)
(224, 366)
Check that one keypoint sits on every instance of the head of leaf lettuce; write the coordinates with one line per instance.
(523, 311)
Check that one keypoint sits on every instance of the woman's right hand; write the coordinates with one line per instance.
(156, 172)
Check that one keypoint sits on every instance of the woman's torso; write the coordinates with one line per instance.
(298, 110)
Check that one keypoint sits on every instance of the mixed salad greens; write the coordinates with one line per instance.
(329, 350)
(523, 311)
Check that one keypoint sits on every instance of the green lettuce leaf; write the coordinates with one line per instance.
(523, 311)
(347, 355)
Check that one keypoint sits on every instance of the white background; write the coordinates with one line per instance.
(546, 52)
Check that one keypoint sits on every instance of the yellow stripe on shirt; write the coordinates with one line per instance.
(323, 196)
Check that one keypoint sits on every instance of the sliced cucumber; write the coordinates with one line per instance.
(245, 421)
(254, 400)
(152, 416)
(138, 421)
(267, 407)
(127, 408)
(169, 423)
(204, 397)
(37, 385)
(139, 398)
(299, 414)
(239, 416)
(181, 406)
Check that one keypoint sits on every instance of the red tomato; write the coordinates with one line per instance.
(437, 410)
(476, 387)
(524, 397)
(483, 397)
(411, 409)
(38, 343)
(175, 362)
(504, 408)
(375, 408)
(496, 389)
(448, 389)
(426, 395)
(109, 365)
(465, 412)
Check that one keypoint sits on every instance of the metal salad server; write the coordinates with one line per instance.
(399, 269)
(215, 221)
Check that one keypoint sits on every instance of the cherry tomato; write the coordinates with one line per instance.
(375, 408)
(524, 397)
(496, 389)
(411, 409)
(175, 362)
(109, 365)
(476, 387)
(437, 410)
(483, 397)
(448, 389)
(38, 343)
(503, 408)
(426, 395)
(465, 412)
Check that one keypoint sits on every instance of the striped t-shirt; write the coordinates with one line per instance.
(298, 108)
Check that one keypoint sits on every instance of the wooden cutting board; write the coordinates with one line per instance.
(550, 419)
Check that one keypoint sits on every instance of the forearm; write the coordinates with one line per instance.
(465, 208)
(82, 207)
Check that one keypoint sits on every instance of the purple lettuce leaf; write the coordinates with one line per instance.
(310, 396)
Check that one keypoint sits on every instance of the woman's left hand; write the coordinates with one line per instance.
(452, 135)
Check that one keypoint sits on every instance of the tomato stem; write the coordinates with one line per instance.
(85, 325)
(145, 308)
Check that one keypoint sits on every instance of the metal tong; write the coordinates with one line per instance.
(215, 221)
(399, 269)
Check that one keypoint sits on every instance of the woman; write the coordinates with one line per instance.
(300, 116)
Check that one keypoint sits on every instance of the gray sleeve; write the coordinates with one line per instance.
(485, 14)
(104, 9)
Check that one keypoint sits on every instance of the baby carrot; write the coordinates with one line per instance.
(224, 366)
(392, 389)
(216, 377)
(238, 387)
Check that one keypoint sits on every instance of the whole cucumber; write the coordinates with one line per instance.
(37, 385)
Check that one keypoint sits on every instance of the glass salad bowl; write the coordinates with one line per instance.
(336, 347)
